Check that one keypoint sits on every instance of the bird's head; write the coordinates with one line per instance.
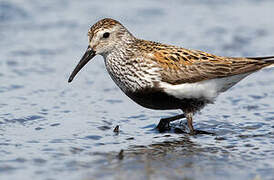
(103, 36)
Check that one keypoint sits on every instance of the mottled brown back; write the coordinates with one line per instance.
(180, 65)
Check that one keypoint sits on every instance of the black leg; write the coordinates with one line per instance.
(164, 123)
(202, 132)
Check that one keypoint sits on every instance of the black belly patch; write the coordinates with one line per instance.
(157, 99)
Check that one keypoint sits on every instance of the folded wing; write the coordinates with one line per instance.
(189, 66)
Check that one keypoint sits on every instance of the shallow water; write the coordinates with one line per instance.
(50, 129)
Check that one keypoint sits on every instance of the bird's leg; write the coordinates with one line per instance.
(190, 126)
(189, 122)
(165, 122)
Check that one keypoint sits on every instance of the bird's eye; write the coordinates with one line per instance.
(106, 35)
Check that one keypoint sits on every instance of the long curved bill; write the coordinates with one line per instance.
(89, 54)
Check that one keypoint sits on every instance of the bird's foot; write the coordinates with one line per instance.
(163, 126)
(164, 122)
(196, 132)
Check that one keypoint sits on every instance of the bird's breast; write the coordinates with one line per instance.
(130, 75)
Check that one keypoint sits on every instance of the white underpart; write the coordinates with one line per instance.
(270, 66)
(208, 89)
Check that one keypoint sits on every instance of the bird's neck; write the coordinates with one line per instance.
(121, 64)
(121, 53)
(116, 61)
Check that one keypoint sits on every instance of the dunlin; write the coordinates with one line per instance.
(162, 77)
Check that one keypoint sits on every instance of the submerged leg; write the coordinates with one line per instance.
(165, 122)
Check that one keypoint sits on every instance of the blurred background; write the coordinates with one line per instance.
(50, 129)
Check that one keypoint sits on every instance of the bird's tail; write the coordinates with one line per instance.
(269, 60)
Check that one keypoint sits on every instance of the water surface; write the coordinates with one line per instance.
(50, 129)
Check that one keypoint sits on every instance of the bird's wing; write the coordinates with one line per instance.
(179, 65)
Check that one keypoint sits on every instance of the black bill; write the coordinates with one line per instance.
(89, 54)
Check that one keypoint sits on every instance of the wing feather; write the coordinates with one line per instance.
(181, 65)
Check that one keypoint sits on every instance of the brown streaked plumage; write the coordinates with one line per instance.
(103, 24)
(159, 76)
(197, 66)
